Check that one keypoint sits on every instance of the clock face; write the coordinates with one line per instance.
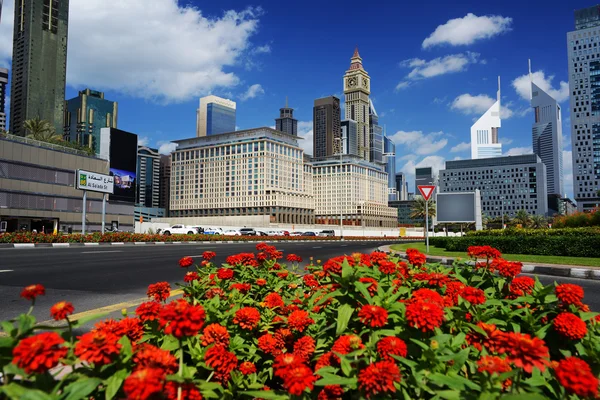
(365, 83)
(351, 82)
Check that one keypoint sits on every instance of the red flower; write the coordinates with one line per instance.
(191, 276)
(331, 392)
(210, 293)
(487, 252)
(569, 293)
(347, 344)
(379, 378)
(376, 257)
(433, 279)
(98, 347)
(577, 377)
(310, 281)
(208, 255)
(221, 361)
(186, 262)
(284, 362)
(225, 273)
(61, 310)
(148, 311)
(215, 333)
(145, 383)
(294, 258)
(241, 287)
(39, 353)
(268, 344)
(299, 320)
(492, 365)
(521, 285)
(33, 291)
(505, 268)
(273, 300)
(299, 378)
(387, 267)
(492, 340)
(189, 391)
(241, 259)
(372, 287)
(160, 291)
(570, 326)
(180, 319)
(247, 368)
(149, 356)
(247, 318)
(453, 290)
(424, 316)
(524, 351)
(473, 295)
(283, 274)
(415, 257)
(132, 328)
(261, 282)
(304, 348)
(425, 295)
(373, 316)
(326, 360)
(391, 345)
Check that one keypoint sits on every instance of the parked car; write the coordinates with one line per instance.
(296, 234)
(261, 233)
(213, 231)
(286, 233)
(247, 232)
(198, 229)
(309, 234)
(179, 230)
(327, 233)
(275, 233)
(232, 232)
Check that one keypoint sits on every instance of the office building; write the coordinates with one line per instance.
(255, 172)
(507, 184)
(357, 87)
(148, 177)
(286, 122)
(326, 127)
(39, 63)
(389, 148)
(164, 182)
(350, 137)
(404, 209)
(3, 83)
(215, 116)
(355, 190)
(85, 115)
(375, 136)
(584, 80)
(37, 189)
(423, 177)
(401, 186)
(484, 132)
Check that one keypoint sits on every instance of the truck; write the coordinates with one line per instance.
(180, 230)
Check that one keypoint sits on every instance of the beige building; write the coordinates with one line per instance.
(252, 172)
(37, 189)
(215, 116)
(357, 87)
(354, 190)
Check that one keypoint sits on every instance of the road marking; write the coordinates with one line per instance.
(6, 270)
(344, 245)
(24, 245)
(101, 251)
(318, 247)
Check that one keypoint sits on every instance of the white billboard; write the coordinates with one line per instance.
(92, 181)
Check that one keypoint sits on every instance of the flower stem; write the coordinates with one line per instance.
(179, 391)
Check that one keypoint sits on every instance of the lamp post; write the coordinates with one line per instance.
(341, 148)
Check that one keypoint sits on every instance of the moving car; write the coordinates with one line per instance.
(247, 232)
(327, 233)
(309, 234)
(179, 230)
(232, 232)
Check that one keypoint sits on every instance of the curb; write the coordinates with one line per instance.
(564, 271)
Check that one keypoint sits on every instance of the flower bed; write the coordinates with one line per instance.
(360, 326)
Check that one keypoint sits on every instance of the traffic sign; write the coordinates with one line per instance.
(426, 190)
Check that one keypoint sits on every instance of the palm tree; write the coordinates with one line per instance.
(521, 217)
(40, 129)
(418, 208)
(539, 221)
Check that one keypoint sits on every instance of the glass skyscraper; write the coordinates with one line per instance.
(375, 136)
(389, 149)
(215, 116)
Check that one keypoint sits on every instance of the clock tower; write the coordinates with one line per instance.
(357, 87)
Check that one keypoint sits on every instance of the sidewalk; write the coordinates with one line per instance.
(569, 271)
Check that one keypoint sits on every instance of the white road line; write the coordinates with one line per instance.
(6, 270)
(318, 247)
(101, 251)
(344, 245)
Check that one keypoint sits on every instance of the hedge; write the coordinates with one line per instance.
(586, 231)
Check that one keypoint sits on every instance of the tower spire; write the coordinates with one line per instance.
(530, 81)
(356, 55)
(286, 102)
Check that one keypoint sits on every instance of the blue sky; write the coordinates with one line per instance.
(433, 64)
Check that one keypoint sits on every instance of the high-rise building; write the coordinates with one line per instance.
(375, 136)
(357, 87)
(484, 132)
(327, 129)
(389, 148)
(584, 72)
(286, 122)
(1, 10)
(85, 115)
(148, 181)
(164, 182)
(39, 63)
(401, 186)
(547, 138)
(350, 137)
(3, 83)
(423, 177)
(215, 115)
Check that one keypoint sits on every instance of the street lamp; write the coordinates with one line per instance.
(340, 182)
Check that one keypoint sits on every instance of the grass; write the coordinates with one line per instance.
(526, 258)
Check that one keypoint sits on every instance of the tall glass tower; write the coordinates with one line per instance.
(375, 136)
(389, 149)
(215, 116)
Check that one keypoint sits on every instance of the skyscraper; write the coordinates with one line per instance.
(423, 176)
(326, 127)
(375, 136)
(39, 63)
(1, 10)
(389, 148)
(148, 177)
(3, 82)
(356, 91)
(85, 115)
(286, 122)
(215, 115)
(164, 182)
(401, 186)
(484, 132)
(350, 137)
(546, 136)
(584, 72)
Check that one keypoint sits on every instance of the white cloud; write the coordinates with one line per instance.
(568, 173)
(477, 105)
(523, 86)
(402, 85)
(163, 52)
(467, 30)
(6, 33)
(261, 49)
(452, 63)
(419, 143)
(143, 141)
(461, 147)
(166, 147)
(252, 92)
(305, 131)
(505, 141)
(517, 151)
(436, 162)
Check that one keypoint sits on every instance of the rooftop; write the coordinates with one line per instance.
(238, 136)
(494, 161)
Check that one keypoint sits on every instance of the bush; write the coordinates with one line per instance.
(360, 326)
(579, 219)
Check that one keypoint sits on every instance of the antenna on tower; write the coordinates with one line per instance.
(530, 81)
(498, 88)
(286, 102)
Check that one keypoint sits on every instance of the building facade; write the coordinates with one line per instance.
(3, 83)
(350, 137)
(484, 132)
(354, 190)
(252, 172)
(327, 127)
(401, 186)
(39, 63)
(164, 182)
(357, 88)
(375, 136)
(215, 116)
(423, 177)
(404, 208)
(584, 80)
(148, 177)
(507, 184)
(286, 122)
(389, 149)
(85, 115)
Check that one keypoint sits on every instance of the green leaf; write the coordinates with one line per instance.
(346, 367)
(82, 321)
(25, 322)
(524, 396)
(362, 288)
(449, 394)
(7, 326)
(336, 380)
(347, 270)
(170, 343)
(265, 394)
(81, 388)
(536, 381)
(113, 384)
(344, 315)
(453, 381)
(420, 344)
(586, 316)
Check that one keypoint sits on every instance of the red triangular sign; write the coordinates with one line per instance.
(426, 191)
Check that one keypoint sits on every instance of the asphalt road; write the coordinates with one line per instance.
(94, 277)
